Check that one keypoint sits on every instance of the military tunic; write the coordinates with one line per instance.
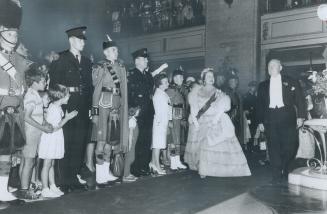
(179, 110)
(140, 91)
(77, 76)
(12, 87)
(110, 96)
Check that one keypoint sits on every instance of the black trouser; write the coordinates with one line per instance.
(282, 139)
(75, 134)
(142, 147)
(253, 129)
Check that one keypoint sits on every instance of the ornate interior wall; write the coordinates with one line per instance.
(232, 34)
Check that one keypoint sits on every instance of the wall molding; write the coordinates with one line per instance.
(171, 45)
(296, 27)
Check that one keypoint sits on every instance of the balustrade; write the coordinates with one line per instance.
(270, 6)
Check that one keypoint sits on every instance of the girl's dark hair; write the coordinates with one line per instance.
(34, 74)
(158, 78)
(57, 92)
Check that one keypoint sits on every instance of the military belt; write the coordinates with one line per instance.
(177, 105)
(9, 92)
(9, 110)
(115, 91)
(74, 89)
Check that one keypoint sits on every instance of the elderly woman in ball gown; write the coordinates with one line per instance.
(212, 147)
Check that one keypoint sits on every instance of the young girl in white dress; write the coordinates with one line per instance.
(52, 145)
(160, 121)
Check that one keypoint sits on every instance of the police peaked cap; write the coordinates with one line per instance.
(10, 14)
(143, 52)
(78, 32)
(108, 44)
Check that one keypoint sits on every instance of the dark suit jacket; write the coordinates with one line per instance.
(293, 98)
(69, 72)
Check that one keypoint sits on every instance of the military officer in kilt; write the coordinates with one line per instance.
(12, 86)
(177, 94)
(109, 109)
(74, 71)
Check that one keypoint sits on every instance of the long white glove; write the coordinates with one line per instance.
(132, 123)
(158, 70)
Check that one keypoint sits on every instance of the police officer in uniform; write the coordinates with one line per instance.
(12, 86)
(74, 71)
(109, 110)
(140, 91)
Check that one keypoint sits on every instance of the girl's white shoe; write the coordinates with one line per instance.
(47, 193)
(56, 190)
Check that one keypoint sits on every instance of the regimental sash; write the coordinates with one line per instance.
(206, 105)
(109, 97)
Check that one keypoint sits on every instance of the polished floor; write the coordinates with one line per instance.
(185, 192)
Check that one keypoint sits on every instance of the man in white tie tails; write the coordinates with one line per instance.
(280, 110)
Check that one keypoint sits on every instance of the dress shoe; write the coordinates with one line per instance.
(85, 172)
(155, 170)
(91, 182)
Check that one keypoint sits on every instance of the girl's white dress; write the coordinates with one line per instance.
(161, 118)
(52, 145)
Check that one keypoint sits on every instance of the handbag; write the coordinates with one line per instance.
(14, 178)
(117, 162)
(306, 148)
(113, 137)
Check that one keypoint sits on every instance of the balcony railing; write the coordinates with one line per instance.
(271, 6)
(135, 18)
